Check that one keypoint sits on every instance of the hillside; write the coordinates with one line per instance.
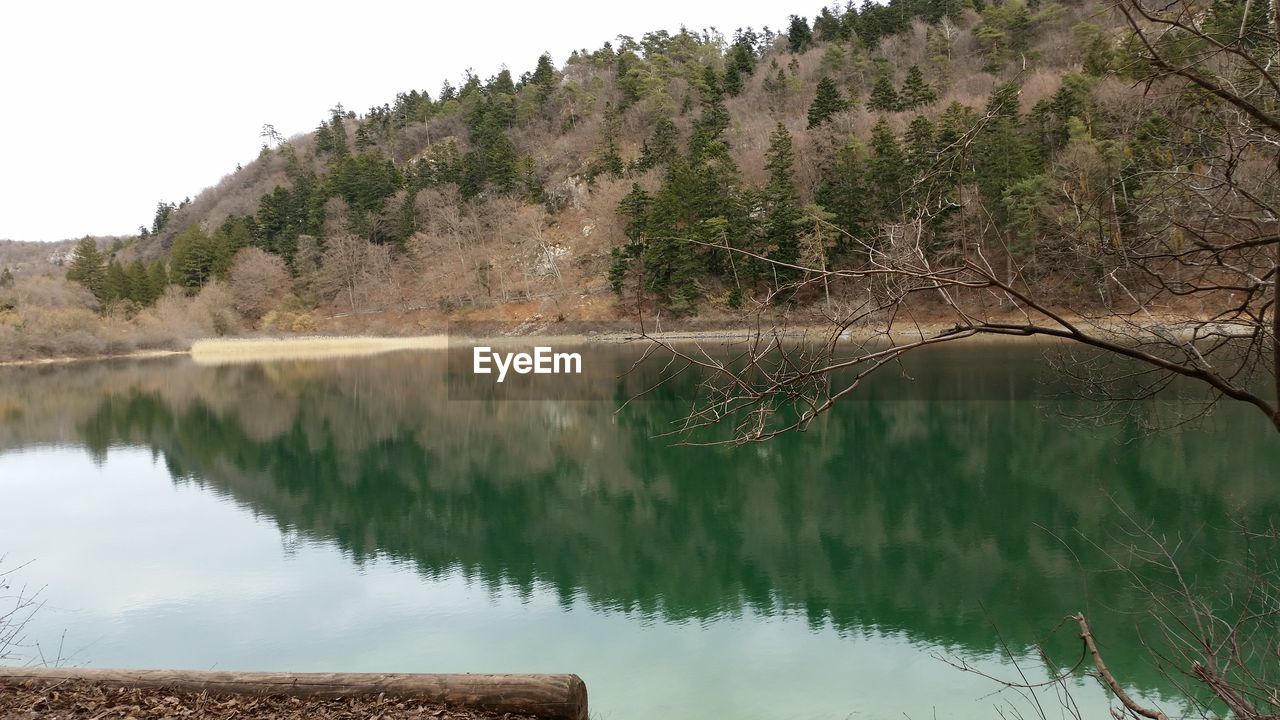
(618, 182)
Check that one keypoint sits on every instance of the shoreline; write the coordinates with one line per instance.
(68, 359)
(219, 351)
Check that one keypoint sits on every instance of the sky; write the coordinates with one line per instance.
(108, 108)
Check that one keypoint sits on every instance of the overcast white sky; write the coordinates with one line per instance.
(108, 107)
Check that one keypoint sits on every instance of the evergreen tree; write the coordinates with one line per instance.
(502, 83)
(231, 237)
(471, 85)
(1227, 18)
(544, 77)
(920, 143)
(1099, 55)
(1003, 154)
(849, 22)
(338, 133)
(799, 36)
(826, 103)
(6, 278)
(920, 151)
(740, 61)
(634, 208)
(192, 256)
(884, 98)
(609, 161)
(157, 279)
(776, 84)
(700, 202)
(732, 79)
(671, 262)
(661, 147)
(364, 138)
(916, 92)
(164, 211)
(115, 284)
(886, 178)
(714, 119)
(88, 266)
(324, 138)
(827, 26)
(493, 158)
(783, 215)
(448, 92)
(138, 288)
(843, 193)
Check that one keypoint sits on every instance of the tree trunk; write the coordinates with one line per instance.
(551, 696)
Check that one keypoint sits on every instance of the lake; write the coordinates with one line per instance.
(356, 515)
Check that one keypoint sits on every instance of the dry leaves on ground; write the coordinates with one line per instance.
(67, 700)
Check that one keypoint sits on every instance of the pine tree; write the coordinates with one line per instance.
(1003, 154)
(164, 211)
(714, 119)
(827, 26)
(502, 83)
(671, 264)
(634, 208)
(610, 161)
(193, 255)
(920, 142)
(884, 98)
(115, 284)
(88, 266)
(324, 138)
(138, 287)
(783, 215)
(1099, 56)
(447, 92)
(740, 61)
(661, 147)
(493, 158)
(885, 177)
(732, 79)
(916, 92)
(544, 77)
(1227, 18)
(364, 138)
(799, 36)
(338, 132)
(826, 103)
(843, 193)
(157, 280)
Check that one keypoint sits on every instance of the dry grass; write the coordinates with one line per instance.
(222, 351)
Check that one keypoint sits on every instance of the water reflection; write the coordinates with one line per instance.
(930, 514)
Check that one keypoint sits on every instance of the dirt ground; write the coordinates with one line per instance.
(69, 700)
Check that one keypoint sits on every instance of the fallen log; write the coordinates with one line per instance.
(563, 697)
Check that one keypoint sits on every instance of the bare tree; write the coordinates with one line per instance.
(353, 267)
(257, 281)
(17, 607)
(1182, 288)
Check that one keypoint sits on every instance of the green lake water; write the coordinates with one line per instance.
(347, 515)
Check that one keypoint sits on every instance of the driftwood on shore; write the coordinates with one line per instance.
(550, 696)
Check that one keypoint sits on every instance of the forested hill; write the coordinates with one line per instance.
(622, 175)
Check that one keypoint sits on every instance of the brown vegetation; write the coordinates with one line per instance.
(258, 280)
(78, 700)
